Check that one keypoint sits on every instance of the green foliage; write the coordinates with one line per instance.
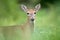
(9, 12)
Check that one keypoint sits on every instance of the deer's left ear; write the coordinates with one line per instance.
(24, 8)
(37, 7)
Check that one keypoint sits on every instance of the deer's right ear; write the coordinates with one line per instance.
(24, 8)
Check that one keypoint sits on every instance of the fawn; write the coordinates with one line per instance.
(25, 28)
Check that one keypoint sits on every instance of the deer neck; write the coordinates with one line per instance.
(31, 24)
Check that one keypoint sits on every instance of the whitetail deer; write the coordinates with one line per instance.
(25, 28)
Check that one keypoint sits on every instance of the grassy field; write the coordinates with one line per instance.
(47, 24)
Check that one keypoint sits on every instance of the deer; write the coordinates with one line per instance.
(26, 28)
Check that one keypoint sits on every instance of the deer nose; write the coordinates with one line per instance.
(32, 19)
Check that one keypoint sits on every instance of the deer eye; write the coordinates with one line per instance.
(34, 13)
(27, 13)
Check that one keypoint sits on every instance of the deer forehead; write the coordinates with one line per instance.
(31, 11)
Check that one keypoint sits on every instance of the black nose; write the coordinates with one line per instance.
(32, 19)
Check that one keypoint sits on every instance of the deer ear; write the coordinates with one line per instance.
(24, 8)
(37, 7)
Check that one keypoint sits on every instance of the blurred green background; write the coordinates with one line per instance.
(47, 24)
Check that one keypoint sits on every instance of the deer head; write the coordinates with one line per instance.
(31, 12)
